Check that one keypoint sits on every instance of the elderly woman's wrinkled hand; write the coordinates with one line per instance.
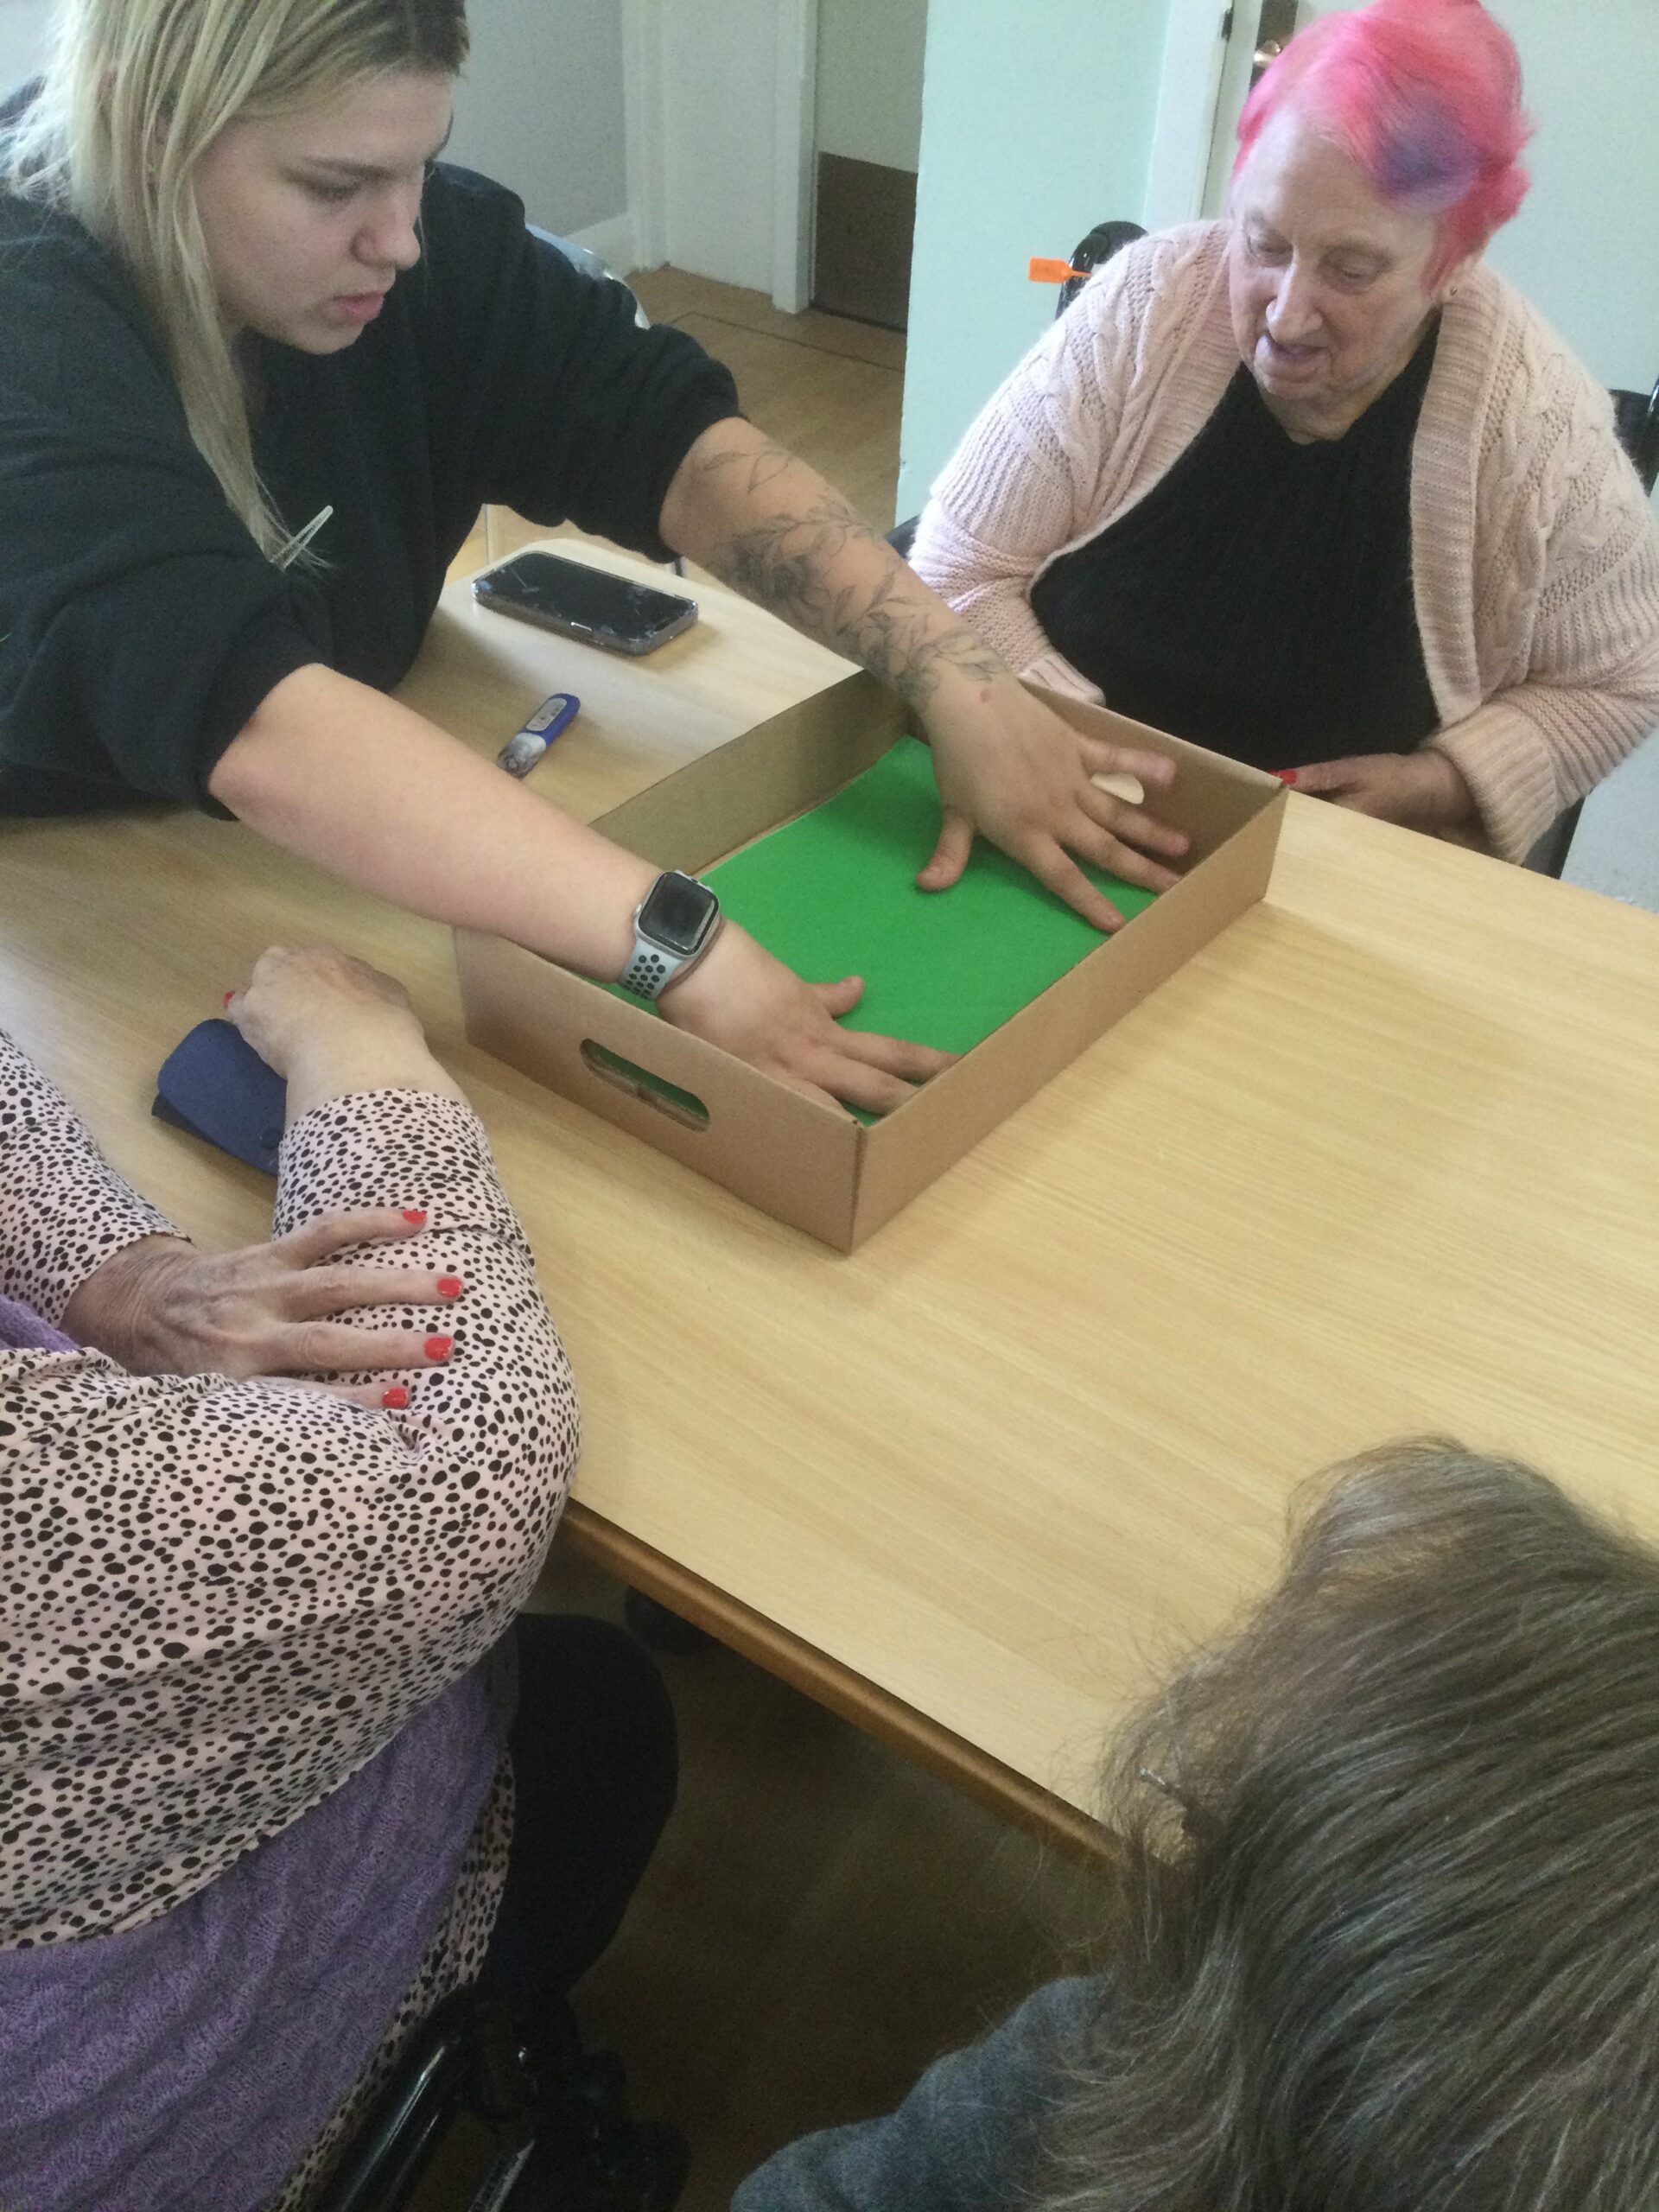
(277, 1309)
(331, 1024)
(300, 998)
(1421, 791)
(279, 1312)
(1011, 769)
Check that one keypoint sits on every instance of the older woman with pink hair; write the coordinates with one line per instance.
(1314, 487)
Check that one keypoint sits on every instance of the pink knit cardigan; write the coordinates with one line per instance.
(1534, 554)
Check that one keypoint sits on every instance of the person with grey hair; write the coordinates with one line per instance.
(1385, 1924)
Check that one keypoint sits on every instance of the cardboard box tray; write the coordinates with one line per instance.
(803, 1161)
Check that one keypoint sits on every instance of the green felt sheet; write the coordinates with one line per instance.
(833, 893)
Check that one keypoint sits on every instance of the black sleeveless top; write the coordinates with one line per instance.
(1258, 600)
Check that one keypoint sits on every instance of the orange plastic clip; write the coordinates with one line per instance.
(1043, 271)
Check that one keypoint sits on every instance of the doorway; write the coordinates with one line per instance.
(737, 111)
(866, 148)
(1254, 31)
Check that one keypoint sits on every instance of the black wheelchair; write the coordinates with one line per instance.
(485, 2116)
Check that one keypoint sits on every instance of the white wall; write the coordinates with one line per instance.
(540, 107)
(1037, 123)
(870, 56)
(1584, 248)
(23, 28)
(1615, 849)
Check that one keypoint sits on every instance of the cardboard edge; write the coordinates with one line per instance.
(949, 1116)
(739, 791)
(802, 1160)
(1211, 804)
(797, 1158)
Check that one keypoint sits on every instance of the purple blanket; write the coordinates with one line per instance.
(22, 1330)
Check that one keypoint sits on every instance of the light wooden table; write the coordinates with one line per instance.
(1383, 1159)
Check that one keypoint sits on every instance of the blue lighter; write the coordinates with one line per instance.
(550, 720)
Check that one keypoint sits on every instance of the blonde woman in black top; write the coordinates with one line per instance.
(236, 291)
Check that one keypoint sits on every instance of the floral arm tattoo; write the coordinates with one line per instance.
(813, 561)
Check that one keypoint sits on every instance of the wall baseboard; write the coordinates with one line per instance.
(615, 241)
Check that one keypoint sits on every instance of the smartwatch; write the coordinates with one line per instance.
(673, 926)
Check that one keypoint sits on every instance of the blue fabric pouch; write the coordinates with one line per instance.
(217, 1086)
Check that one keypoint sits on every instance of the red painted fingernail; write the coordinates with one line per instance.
(229, 995)
(1285, 775)
(449, 1286)
(396, 1399)
(417, 1214)
(439, 1347)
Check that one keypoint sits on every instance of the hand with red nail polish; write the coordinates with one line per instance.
(292, 1307)
(1424, 790)
(311, 1303)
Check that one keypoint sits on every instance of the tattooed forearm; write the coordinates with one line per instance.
(757, 468)
(821, 568)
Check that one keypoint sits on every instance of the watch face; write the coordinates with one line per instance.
(679, 912)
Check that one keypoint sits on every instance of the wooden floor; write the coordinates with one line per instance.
(829, 388)
(822, 1918)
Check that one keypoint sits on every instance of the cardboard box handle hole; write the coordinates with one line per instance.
(681, 1106)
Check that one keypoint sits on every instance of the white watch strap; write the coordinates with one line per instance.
(652, 969)
(653, 965)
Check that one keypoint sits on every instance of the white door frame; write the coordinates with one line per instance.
(1184, 119)
(795, 155)
(794, 134)
(642, 110)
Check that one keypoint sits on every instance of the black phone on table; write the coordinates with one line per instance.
(588, 604)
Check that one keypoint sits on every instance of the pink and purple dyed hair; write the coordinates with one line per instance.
(1424, 96)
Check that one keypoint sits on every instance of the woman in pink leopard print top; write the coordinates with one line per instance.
(275, 1748)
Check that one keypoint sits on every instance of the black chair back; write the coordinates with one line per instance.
(1637, 421)
(1102, 243)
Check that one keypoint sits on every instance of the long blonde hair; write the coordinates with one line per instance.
(133, 94)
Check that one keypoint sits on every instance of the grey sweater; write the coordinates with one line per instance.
(964, 2140)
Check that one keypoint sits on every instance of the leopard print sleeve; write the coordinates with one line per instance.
(234, 1594)
(63, 1209)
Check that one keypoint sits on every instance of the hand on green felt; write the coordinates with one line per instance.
(1010, 769)
(834, 893)
(738, 997)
